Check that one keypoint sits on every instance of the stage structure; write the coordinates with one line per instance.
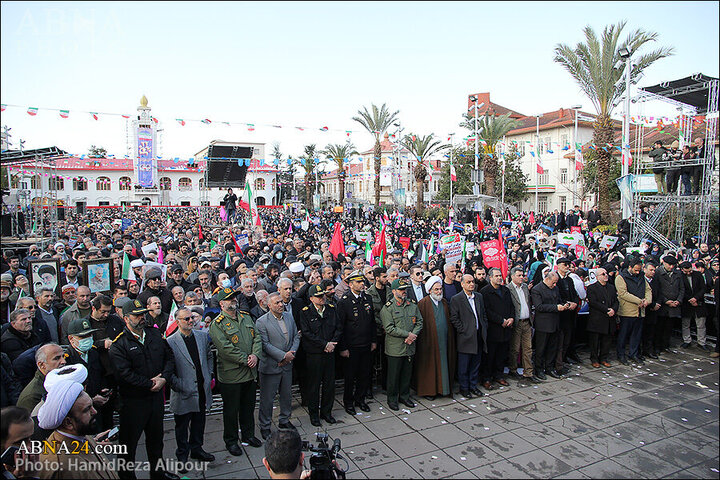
(26, 212)
(694, 96)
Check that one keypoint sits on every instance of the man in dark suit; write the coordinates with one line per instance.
(546, 300)
(568, 295)
(651, 312)
(603, 302)
(416, 291)
(500, 315)
(593, 217)
(693, 305)
(467, 314)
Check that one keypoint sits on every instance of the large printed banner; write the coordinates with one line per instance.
(493, 254)
(453, 252)
(145, 157)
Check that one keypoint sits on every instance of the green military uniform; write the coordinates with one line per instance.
(379, 361)
(399, 321)
(236, 339)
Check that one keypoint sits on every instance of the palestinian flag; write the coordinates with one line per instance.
(32, 111)
(64, 113)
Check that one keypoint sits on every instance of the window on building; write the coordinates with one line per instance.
(15, 181)
(185, 183)
(563, 203)
(165, 183)
(35, 182)
(564, 139)
(57, 183)
(273, 184)
(102, 183)
(426, 187)
(80, 184)
(547, 143)
(260, 184)
(542, 203)
(184, 203)
(544, 178)
(360, 186)
(205, 203)
(563, 175)
(124, 183)
(201, 183)
(104, 204)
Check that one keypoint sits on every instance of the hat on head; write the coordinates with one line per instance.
(76, 372)
(227, 293)
(58, 403)
(313, 261)
(205, 262)
(564, 260)
(670, 260)
(80, 327)
(355, 275)
(431, 282)
(135, 307)
(399, 284)
(686, 265)
(59, 244)
(297, 267)
(316, 291)
(136, 263)
(153, 274)
(177, 268)
(122, 301)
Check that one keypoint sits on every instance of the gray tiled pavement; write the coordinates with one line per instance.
(656, 421)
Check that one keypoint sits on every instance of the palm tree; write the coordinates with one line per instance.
(339, 154)
(491, 129)
(309, 163)
(421, 148)
(597, 67)
(376, 123)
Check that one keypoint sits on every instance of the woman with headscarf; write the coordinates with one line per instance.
(435, 353)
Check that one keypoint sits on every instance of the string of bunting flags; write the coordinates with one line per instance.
(65, 113)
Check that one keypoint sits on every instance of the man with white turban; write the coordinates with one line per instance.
(436, 353)
(68, 410)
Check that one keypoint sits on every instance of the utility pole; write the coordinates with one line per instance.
(474, 99)
(502, 198)
(450, 210)
(576, 108)
(537, 161)
(626, 55)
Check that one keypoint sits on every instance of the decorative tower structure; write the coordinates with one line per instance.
(144, 146)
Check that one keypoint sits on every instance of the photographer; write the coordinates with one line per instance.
(284, 456)
(659, 154)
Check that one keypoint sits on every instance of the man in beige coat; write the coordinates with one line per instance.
(634, 294)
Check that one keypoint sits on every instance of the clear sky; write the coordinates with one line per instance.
(307, 64)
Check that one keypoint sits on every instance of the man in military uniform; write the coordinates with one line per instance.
(238, 351)
(402, 322)
(143, 363)
(321, 332)
(379, 293)
(359, 339)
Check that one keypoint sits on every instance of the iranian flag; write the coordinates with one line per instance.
(579, 160)
(168, 222)
(253, 206)
(368, 253)
(453, 173)
(32, 111)
(540, 167)
(126, 267)
(64, 113)
(172, 323)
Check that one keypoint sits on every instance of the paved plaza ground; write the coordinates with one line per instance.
(656, 421)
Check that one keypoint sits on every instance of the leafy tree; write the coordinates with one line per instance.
(309, 162)
(464, 162)
(597, 67)
(97, 152)
(285, 177)
(340, 154)
(376, 122)
(589, 182)
(516, 182)
(421, 147)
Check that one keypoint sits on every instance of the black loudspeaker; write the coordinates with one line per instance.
(61, 213)
(223, 168)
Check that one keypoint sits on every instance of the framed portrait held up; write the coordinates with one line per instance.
(98, 275)
(44, 273)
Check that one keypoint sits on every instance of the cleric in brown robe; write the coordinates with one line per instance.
(435, 354)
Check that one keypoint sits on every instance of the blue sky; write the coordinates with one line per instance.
(308, 64)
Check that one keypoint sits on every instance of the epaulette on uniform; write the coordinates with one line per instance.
(219, 318)
(331, 305)
(305, 308)
(389, 303)
(411, 300)
(119, 335)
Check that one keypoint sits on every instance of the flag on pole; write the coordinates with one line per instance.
(64, 113)
(228, 260)
(126, 267)
(424, 254)
(540, 167)
(480, 224)
(462, 262)
(382, 258)
(161, 256)
(380, 245)
(532, 218)
(290, 231)
(200, 234)
(368, 253)
(32, 111)
(503, 258)
(579, 160)
(253, 206)
(237, 247)
(168, 222)
(453, 173)
(213, 244)
(385, 217)
(172, 323)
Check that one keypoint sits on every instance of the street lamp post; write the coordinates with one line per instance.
(504, 152)
(537, 151)
(576, 108)
(450, 210)
(474, 99)
(626, 55)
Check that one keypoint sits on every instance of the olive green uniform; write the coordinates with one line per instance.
(399, 321)
(235, 340)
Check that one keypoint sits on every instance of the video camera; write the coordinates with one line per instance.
(323, 462)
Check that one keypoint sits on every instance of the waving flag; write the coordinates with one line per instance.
(453, 173)
(126, 267)
(368, 253)
(64, 113)
(579, 160)
(253, 206)
(172, 323)
(480, 224)
(337, 246)
(32, 111)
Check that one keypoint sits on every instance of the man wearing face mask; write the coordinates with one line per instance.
(83, 352)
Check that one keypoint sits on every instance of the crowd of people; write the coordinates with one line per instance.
(673, 169)
(198, 306)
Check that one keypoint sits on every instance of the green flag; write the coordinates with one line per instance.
(228, 260)
(126, 267)
(213, 244)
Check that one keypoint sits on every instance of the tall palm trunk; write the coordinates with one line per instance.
(341, 179)
(378, 164)
(308, 195)
(491, 171)
(602, 135)
(420, 174)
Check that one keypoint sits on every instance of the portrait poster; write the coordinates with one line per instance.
(43, 273)
(98, 275)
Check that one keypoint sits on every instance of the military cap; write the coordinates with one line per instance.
(81, 327)
(227, 293)
(316, 291)
(399, 284)
(356, 275)
(134, 307)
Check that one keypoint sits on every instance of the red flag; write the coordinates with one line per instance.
(480, 223)
(337, 246)
(532, 219)
(503, 255)
(380, 247)
(200, 234)
(405, 242)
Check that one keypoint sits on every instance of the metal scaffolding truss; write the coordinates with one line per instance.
(694, 90)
